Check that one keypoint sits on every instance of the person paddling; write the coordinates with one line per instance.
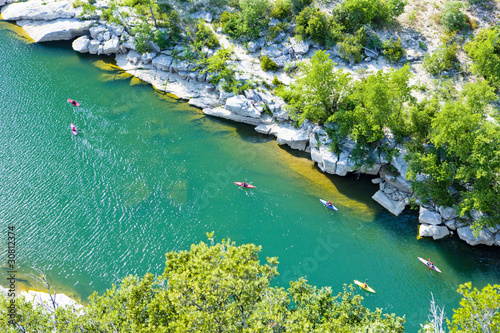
(330, 203)
(364, 284)
(245, 184)
(430, 264)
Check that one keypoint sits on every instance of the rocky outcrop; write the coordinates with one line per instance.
(223, 113)
(61, 29)
(395, 207)
(429, 217)
(296, 138)
(485, 237)
(436, 232)
(300, 46)
(81, 44)
(242, 106)
(39, 10)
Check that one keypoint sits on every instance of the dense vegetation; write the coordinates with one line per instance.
(224, 288)
(218, 288)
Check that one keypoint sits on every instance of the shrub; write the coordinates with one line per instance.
(393, 50)
(205, 37)
(312, 23)
(484, 50)
(276, 81)
(231, 24)
(351, 49)
(267, 64)
(452, 18)
(281, 9)
(444, 58)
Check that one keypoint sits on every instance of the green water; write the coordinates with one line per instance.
(148, 174)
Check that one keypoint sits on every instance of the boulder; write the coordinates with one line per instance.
(327, 161)
(436, 232)
(282, 60)
(95, 32)
(447, 213)
(223, 113)
(376, 180)
(253, 47)
(129, 43)
(204, 102)
(115, 29)
(485, 237)
(373, 169)
(111, 46)
(429, 217)
(494, 229)
(296, 138)
(264, 128)
(162, 62)
(395, 207)
(134, 57)
(39, 10)
(451, 224)
(94, 46)
(299, 46)
(146, 58)
(497, 239)
(272, 51)
(242, 106)
(398, 161)
(396, 181)
(81, 44)
(206, 16)
(61, 29)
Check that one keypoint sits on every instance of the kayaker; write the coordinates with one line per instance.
(245, 184)
(430, 264)
(364, 284)
(330, 203)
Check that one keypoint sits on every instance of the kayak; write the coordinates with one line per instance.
(362, 285)
(73, 129)
(324, 202)
(72, 102)
(241, 184)
(427, 263)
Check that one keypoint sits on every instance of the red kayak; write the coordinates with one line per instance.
(73, 129)
(244, 185)
(72, 102)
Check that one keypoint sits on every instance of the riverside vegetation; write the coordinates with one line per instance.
(225, 288)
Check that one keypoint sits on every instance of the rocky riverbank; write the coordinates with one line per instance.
(166, 71)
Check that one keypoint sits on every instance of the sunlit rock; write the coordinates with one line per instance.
(436, 232)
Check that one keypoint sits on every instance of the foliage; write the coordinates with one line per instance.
(281, 9)
(267, 64)
(299, 5)
(376, 102)
(318, 26)
(143, 34)
(231, 24)
(393, 50)
(444, 58)
(317, 92)
(217, 66)
(204, 37)
(452, 18)
(253, 16)
(478, 311)
(216, 288)
(351, 49)
(352, 14)
(484, 50)
(276, 81)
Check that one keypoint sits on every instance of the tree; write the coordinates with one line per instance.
(211, 288)
(479, 311)
(484, 50)
(318, 91)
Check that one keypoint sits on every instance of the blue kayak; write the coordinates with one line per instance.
(324, 202)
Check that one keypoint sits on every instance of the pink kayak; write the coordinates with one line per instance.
(72, 102)
(244, 185)
(73, 129)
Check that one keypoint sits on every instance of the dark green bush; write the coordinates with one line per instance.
(231, 24)
(393, 50)
(267, 64)
(452, 18)
(317, 26)
(281, 9)
(205, 37)
(484, 50)
(350, 49)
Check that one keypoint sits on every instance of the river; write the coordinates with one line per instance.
(148, 174)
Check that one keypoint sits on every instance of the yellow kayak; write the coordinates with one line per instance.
(362, 285)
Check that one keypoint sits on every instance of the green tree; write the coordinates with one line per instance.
(317, 26)
(254, 16)
(484, 50)
(318, 90)
(453, 18)
(478, 311)
(393, 50)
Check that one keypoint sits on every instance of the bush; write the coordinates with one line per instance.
(393, 50)
(444, 58)
(205, 37)
(312, 23)
(276, 81)
(484, 50)
(281, 9)
(351, 49)
(267, 64)
(231, 24)
(452, 18)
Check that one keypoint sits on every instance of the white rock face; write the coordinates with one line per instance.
(203, 102)
(39, 10)
(271, 51)
(447, 213)
(300, 46)
(327, 161)
(485, 237)
(62, 29)
(451, 224)
(429, 217)
(162, 62)
(81, 44)
(242, 106)
(223, 113)
(146, 58)
(398, 161)
(436, 232)
(94, 46)
(111, 46)
(296, 138)
(43, 299)
(395, 207)
(344, 164)
(133, 56)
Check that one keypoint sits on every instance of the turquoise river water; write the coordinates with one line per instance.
(148, 174)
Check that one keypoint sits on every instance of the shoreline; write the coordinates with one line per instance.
(169, 75)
